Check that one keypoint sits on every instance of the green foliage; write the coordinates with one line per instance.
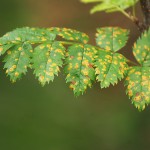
(47, 60)
(138, 87)
(138, 78)
(47, 57)
(110, 5)
(141, 49)
(80, 69)
(69, 34)
(18, 60)
(110, 66)
(111, 39)
(31, 35)
(47, 50)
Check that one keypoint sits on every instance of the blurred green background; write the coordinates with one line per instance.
(51, 118)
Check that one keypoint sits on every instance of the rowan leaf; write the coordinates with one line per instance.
(47, 60)
(17, 60)
(26, 34)
(141, 49)
(110, 67)
(70, 34)
(138, 86)
(80, 67)
(111, 38)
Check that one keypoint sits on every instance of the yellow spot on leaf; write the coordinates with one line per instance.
(16, 74)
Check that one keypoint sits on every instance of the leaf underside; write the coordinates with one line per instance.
(110, 5)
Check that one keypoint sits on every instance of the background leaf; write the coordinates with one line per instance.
(70, 34)
(110, 5)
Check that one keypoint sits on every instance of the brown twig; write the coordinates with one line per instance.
(141, 25)
(145, 5)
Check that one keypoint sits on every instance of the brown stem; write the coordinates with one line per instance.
(145, 5)
(141, 25)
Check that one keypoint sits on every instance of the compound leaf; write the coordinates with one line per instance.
(141, 49)
(138, 86)
(80, 68)
(47, 59)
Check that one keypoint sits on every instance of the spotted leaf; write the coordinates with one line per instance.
(17, 60)
(138, 86)
(47, 60)
(80, 67)
(112, 39)
(4, 48)
(26, 34)
(141, 49)
(110, 67)
(70, 34)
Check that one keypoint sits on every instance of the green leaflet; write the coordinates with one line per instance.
(141, 49)
(26, 34)
(47, 59)
(17, 60)
(69, 34)
(110, 66)
(79, 69)
(83, 62)
(138, 79)
(138, 86)
(111, 5)
(111, 38)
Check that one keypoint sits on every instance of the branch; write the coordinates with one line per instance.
(140, 25)
(145, 4)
